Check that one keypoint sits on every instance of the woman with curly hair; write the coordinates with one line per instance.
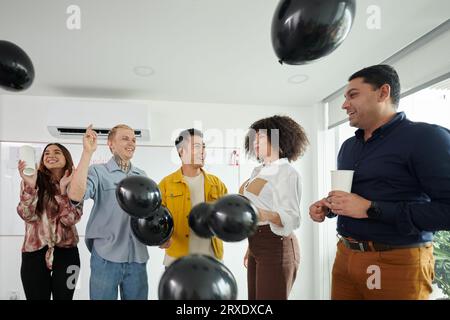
(50, 258)
(272, 258)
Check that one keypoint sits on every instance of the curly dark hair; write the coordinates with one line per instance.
(292, 138)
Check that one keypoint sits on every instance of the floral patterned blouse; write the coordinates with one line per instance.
(54, 227)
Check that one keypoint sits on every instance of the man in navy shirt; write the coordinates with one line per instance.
(400, 195)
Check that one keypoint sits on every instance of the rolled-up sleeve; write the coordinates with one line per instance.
(287, 196)
(91, 184)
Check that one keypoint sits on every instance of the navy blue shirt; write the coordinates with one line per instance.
(405, 168)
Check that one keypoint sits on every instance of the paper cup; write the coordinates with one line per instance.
(342, 180)
(26, 153)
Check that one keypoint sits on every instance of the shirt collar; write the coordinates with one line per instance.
(178, 176)
(399, 116)
(277, 162)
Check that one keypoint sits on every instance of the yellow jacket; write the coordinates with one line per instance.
(176, 197)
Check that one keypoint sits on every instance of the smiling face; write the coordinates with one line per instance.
(123, 143)
(53, 158)
(193, 151)
(362, 104)
(261, 145)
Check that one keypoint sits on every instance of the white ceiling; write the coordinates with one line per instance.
(216, 51)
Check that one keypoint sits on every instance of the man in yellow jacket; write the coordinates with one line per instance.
(185, 188)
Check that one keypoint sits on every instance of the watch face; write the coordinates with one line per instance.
(330, 214)
(373, 211)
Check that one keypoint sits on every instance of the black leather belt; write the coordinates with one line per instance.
(374, 246)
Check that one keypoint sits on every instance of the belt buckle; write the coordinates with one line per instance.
(361, 247)
(359, 244)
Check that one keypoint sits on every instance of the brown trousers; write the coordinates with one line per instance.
(399, 274)
(272, 265)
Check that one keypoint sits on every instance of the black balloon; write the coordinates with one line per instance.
(155, 229)
(199, 219)
(305, 30)
(234, 218)
(16, 68)
(197, 277)
(138, 196)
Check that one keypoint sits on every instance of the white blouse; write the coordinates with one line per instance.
(276, 187)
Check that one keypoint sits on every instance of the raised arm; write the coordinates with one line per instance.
(78, 184)
(28, 195)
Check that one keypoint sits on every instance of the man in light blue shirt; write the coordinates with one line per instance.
(118, 259)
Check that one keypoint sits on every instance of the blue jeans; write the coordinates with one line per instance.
(107, 277)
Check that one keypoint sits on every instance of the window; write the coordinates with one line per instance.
(433, 105)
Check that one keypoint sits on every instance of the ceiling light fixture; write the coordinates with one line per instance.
(298, 78)
(143, 71)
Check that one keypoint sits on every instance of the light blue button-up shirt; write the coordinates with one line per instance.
(108, 228)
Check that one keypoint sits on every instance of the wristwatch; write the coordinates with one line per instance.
(330, 214)
(374, 210)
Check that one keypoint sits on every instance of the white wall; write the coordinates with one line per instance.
(24, 119)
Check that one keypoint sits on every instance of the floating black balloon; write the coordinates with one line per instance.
(306, 30)
(199, 219)
(16, 68)
(197, 277)
(234, 218)
(155, 229)
(138, 196)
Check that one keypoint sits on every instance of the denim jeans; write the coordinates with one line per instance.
(107, 277)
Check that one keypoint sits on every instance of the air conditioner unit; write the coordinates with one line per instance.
(69, 118)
